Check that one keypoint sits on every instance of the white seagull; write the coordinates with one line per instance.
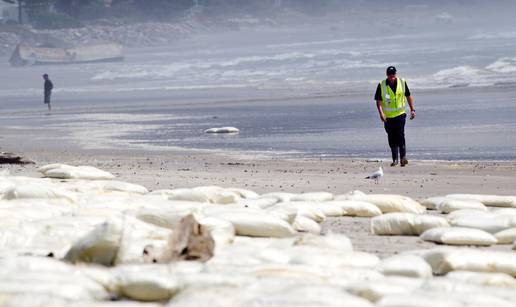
(376, 175)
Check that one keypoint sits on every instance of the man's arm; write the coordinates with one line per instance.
(410, 101)
(380, 110)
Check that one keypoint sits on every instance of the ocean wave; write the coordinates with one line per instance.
(503, 65)
(503, 35)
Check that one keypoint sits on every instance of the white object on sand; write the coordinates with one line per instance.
(459, 236)
(507, 236)
(405, 265)
(376, 175)
(63, 171)
(356, 208)
(391, 202)
(450, 205)
(222, 130)
(489, 200)
(404, 223)
(256, 225)
(447, 259)
(304, 224)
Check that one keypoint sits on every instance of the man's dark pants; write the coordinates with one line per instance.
(395, 128)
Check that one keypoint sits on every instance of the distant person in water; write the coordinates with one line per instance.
(392, 95)
(48, 90)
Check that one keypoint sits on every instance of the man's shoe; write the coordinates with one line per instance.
(404, 162)
(394, 163)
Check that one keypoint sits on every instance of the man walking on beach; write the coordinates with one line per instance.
(391, 97)
(48, 90)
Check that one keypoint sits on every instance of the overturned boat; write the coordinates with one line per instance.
(27, 55)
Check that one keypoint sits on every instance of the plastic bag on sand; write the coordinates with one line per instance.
(484, 279)
(421, 298)
(507, 236)
(333, 241)
(313, 196)
(489, 200)
(356, 208)
(99, 246)
(142, 286)
(38, 190)
(136, 236)
(391, 203)
(375, 290)
(63, 171)
(488, 223)
(295, 295)
(447, 259)
(223, 232)
(47, 276)
(458, 236)
(450, 205)
(256, 225)
(405, 265)
(213, 296)
(401, 223)
(432, 203)
(304, 224)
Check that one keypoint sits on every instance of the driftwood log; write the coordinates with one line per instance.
(10, 158)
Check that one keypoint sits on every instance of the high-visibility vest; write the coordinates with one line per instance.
(393, 104)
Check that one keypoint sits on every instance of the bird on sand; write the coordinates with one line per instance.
(376, 175)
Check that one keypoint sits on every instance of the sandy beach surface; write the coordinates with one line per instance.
(263, 174)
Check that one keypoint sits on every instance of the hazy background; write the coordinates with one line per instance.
(297, 77)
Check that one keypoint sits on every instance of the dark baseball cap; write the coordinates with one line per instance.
(391, 70)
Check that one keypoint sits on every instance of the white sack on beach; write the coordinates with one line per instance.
(223, 232)
(313, 196)
(507, 236)
(484, 279)
(301, 208)
(244, 193)
(304, 224)
(62, 171)
(492, 223)
(109, 185)
(390, 202)
(402, 223)
(213, 296)
(489, 200)
(52, 236)
(39, 190)
(450, 205)
(183, 194)
(222, 130)
(25, 275)
(447, 259)
(389, 285)
(405, 265)
(136, 236)
(425, 298)
(458, 236)
(289, 294)
(262, 203)
(331, 241)
(256, 225)
(432, 203)
(99, 246)
(356, 208)
(218, 195)
(142, 286)
(280, 196)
